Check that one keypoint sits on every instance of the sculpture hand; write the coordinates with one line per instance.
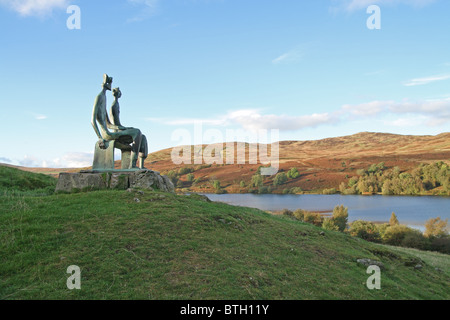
(102, 143)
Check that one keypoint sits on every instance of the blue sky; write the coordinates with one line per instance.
(311, 69)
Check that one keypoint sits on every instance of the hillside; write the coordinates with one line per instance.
(321, 163)
(168, 246)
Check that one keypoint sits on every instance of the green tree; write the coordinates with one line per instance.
(365, 230)
(293, 173)
(242, 184)
(340, 217)
(280, 178)
(216, 185)
(190, 177)
(395, 235)
(393, 220)
(257, 181)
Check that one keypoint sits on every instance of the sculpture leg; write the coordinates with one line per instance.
(135, 146)
(143, 152)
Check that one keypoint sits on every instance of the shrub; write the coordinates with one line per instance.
(415, 239)
(329, 224)
(441, 245)
(296, 190)
(184, 170)
(286, 212)
(264, 190)
(293, 173)
(280, 178)
(313, 218)
(340, 217)
(257, 180)
(216, 185)
(436, 228)
(299, 214)
(381, 228)
(329, 191)
(365, 230)
(393, 220)
(190, 177)
(242, 184)
(395, 235)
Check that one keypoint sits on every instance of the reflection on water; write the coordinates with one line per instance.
(413, 211)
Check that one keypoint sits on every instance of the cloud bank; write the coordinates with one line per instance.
(35, 7)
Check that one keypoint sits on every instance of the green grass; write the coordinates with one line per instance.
(181, 247)
(17, 182)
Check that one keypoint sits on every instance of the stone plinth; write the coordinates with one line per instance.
(114, 179)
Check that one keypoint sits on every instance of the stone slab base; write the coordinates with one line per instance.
(114, 179)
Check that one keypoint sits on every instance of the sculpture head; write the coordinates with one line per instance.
(107, 81)
(117, 93)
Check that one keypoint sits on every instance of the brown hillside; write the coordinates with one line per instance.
(321, 163)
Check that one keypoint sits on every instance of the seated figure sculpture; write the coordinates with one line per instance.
(108, 132)
(115, 120)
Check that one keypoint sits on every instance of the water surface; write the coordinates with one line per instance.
(410, 210)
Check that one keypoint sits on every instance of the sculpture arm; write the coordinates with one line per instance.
(94, 121)
(112, 126)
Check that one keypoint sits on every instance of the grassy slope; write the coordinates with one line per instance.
(181, 247)
(19, 182)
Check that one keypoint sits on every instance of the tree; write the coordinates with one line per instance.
(293, 173)
(340, 217)
(216, 184)
(242, 184)
(395, 235)
(190, 177)
(280, 179)
(393, 220)
(257, 181)
(365, 230)
(436, 228)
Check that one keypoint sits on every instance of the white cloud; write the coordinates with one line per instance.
(291, 56)
(40, 117)
(253, 120)
(429, 112)
(35, 7)
(148, 9)
(5, 160)
(366, 109)
(72, 160)
(426, 80)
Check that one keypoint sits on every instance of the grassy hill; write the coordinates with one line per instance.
(19, 182)
(152, 245)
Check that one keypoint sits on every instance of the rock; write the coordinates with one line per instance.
(418, 267)
(120, 180)
(370, 262)
(137, 200)
(322, 233)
